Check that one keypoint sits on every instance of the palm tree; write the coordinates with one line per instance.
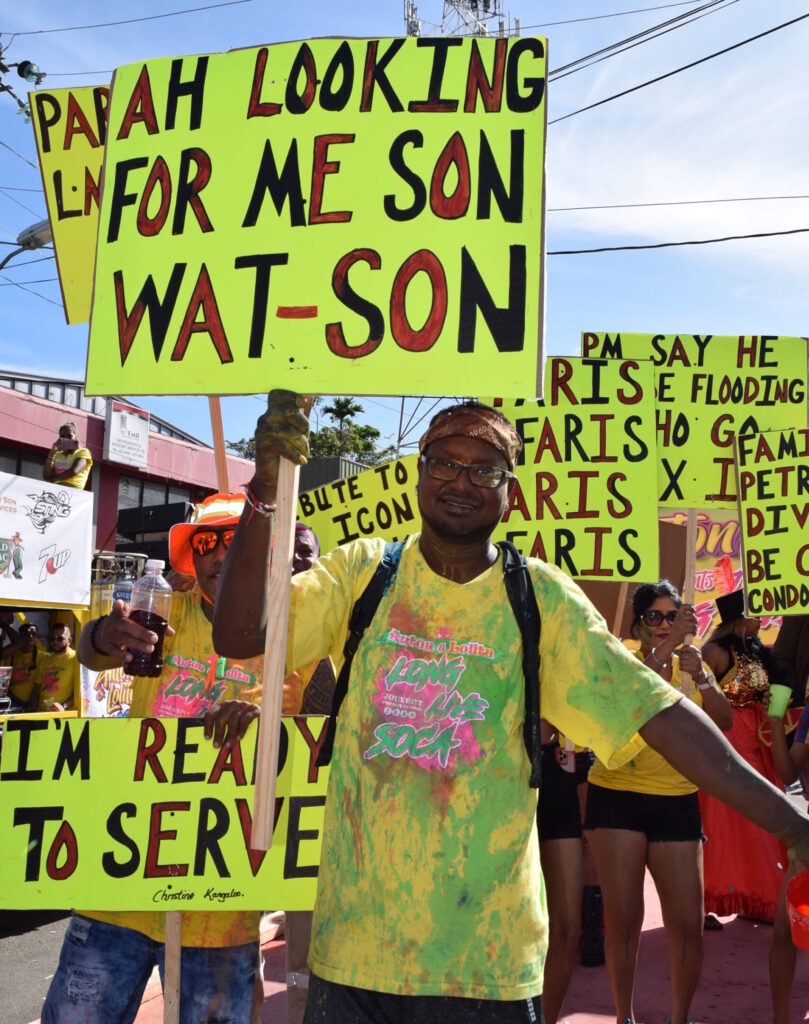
(341, 409)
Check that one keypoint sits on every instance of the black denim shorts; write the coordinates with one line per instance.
(330, 1003)
(662, 819)
(558, 815)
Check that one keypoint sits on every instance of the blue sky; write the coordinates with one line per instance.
(732, 127)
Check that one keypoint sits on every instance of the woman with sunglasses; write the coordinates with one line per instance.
(645, 814)
(744, 866)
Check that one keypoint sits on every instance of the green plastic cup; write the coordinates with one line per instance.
(779, 699)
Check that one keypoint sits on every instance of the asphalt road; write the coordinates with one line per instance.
(29, 952)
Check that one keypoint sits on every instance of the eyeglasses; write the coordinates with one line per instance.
(204, 542)
(480, 476)
(652, 617)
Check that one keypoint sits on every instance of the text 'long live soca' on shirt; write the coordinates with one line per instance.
(429, 879)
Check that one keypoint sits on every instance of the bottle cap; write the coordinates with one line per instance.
(155, 563)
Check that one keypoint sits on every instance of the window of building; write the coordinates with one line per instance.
(72, 397)
(128, 492)
(31, 465)
(23, 385)
(153, 493)
(5, 382)
(86, 403)
(100, 407)
(39, 389)
(8, 460)
(179, 494)
(55, 392)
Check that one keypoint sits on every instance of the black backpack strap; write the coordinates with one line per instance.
(361, 616)
(523, 602)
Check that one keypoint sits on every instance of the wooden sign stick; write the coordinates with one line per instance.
(623, 590)
(174, 918)
(689, 584)
(272, 686)
(218, 443)
(171, 986)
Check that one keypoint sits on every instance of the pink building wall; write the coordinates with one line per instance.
(33, 423)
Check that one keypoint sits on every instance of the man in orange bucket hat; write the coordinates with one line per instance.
(220, 951)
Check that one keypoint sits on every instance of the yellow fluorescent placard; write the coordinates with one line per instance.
(70, 128)
(332, 216)
(773, 475)
(709, 389)
(585, 492)
(89, 804)
(381, 502)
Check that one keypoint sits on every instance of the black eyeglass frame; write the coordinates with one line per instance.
(473, 469)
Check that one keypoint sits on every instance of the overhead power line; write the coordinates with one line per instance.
(648, 35)
(685, 67)
(671, 245)
(31, 291)
(39, 280)
(672, 202)
(14, 151)
(27, 263)
(14, 199)
(129, 21)
(602, 17)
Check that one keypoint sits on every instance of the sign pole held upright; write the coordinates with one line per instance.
(689, 586)
(272, 686)
(218, 443)
(174, 918)
(171, 987)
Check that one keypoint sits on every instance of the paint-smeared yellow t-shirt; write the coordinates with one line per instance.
(23, 671)
(58, 677)
(186, 688)
(648, 771)
(429, 878)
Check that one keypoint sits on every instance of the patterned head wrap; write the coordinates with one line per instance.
(480, 422)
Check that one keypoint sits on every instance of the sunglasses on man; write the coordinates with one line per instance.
(448, 469)
(205, 542)
(653, 617)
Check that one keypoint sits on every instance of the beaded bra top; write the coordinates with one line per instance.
(745, 681)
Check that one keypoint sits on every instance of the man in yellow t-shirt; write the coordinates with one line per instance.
(57, 680)
(220, 955)
(430, 903)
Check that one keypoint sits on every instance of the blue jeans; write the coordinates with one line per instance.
(103, 971)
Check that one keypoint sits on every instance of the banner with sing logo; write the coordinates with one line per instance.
(45, 543)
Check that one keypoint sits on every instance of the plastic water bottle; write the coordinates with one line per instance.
(122, 589)
(150, 605)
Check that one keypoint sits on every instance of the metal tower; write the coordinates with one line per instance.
(411, 18)
(473, 18)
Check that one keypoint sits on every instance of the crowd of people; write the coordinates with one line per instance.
(437, 899)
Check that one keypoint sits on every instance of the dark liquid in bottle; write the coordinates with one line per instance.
(148, 664)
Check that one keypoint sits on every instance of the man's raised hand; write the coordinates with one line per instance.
(282, 431)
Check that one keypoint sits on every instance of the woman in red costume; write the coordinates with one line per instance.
(744, 866)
